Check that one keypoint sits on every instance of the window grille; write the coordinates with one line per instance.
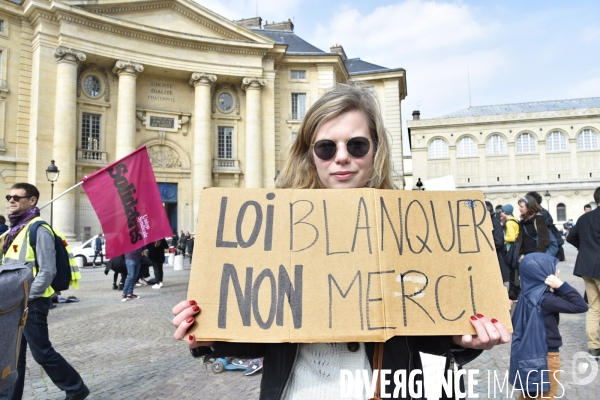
(587, 140)
(525, 143)
(90, 136)
(561, 212)
(495, 146)
(466, 147)
(556, 141)
(298, 74)
(298, 105)
(438, 148)
(225, 145)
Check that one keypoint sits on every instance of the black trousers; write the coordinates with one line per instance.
(158, 271)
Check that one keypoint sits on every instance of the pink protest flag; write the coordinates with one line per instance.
(126, 199)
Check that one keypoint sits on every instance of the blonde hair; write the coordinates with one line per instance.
(300, 171)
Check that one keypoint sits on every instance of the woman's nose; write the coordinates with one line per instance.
(342, 156)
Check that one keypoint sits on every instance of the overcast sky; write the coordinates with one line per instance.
(513, 51)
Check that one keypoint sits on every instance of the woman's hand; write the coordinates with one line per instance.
(184, 313)
(489, 333)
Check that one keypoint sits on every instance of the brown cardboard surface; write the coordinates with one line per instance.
(286, 265)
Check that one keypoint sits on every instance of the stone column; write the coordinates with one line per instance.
(127, 71)
(202, 155)
(65, 137)
(253, 172)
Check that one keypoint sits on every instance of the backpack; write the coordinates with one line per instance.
(15, 282)
(529, 349)
(553, 247)
(66, 275)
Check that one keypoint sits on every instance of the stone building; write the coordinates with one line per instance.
(216, 102)
(552, 147)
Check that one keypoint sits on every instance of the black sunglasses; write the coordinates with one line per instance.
(16, 197)
(357, 147)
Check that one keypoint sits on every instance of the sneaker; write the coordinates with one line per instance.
(132, 297)
(241, 362)
(138, 284)
(595, 353)
(115, 287)
(160, 284)
(124, 297)
(156, 286)
(254, 366)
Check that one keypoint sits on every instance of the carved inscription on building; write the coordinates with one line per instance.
(162, 91)
(162, 122)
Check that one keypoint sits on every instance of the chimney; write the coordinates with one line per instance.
(416, 115)
(255, 22)
(281, 26)
(340, 50)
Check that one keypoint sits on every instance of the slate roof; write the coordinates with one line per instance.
(356, 65)
(296, 45)
(536, 106)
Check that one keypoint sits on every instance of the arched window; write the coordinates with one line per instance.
(556, 141)
(587, 140)
(466, 147)
(438, 148)
(525, 143)
(561, 212)
(495, 146)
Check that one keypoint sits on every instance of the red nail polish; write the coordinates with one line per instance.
(474, 318)
(191, 337)
(479, 315)
(190, 320)
(196, 308)
(494, 320)
(192, 302)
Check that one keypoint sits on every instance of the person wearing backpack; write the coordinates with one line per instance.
(560, 252)
(24, 213)
(534, 235)
(536, 339)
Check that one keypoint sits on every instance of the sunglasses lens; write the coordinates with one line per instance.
(358, 146)
(325, 149)
(8, 197)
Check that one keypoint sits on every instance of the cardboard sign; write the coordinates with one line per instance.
(283, 265)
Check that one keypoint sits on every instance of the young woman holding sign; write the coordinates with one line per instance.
(341, 144)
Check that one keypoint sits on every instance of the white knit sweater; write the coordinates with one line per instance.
(316, 374)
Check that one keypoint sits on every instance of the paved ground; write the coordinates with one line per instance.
(126, 350)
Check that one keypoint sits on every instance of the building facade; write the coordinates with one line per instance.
(216, 102)
(552, 147)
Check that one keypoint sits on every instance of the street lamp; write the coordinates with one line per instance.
(52, 174)
(419, 184)
(547, 195)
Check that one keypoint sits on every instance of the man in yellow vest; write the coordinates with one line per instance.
(22, 203)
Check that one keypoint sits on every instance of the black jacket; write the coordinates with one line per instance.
(498, 235)
(157, 253)
(585, 235)
(400, 353)
(528, 231)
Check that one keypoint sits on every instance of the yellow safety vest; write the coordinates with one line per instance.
(20, 250)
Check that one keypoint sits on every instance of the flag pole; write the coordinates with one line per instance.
(62, 194)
